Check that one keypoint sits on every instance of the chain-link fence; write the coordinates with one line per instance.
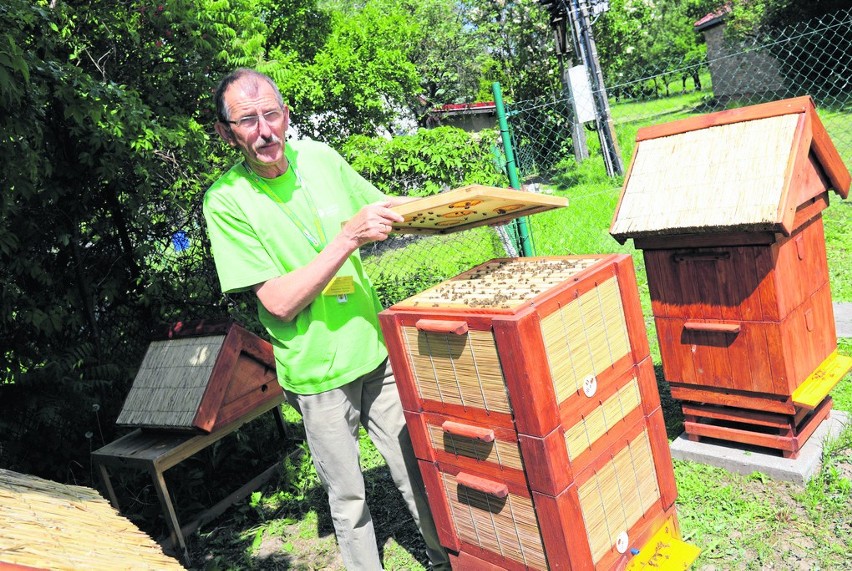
(810, 58)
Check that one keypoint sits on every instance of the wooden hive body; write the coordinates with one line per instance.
(201, 376)
(727, 210)
(527, 383)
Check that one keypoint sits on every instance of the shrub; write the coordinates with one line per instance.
(426, 162)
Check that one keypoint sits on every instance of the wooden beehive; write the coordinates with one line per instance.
(201, 375)
(526, 384)
(47, 525)
(727, 210)
(470, 206)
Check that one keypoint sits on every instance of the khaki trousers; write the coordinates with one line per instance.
(331, 422)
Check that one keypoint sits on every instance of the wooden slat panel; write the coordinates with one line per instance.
(462, 370)
(801, 267)
(727, 397)
(505, 526)
(618, 495)
(585, 337)
(808, 336)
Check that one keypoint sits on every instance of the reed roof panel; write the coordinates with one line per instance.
(171, 381)
(725, 177)
(48, 525)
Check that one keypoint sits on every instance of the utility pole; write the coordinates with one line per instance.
(575, 13)
(606, 130)
(578, 134)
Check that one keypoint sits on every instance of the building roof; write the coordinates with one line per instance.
(465, 108)
(713, 18)
(748, 169)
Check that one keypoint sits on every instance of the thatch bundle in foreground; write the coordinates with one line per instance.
(47, 525)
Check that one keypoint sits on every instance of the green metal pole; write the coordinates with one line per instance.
(520, 224)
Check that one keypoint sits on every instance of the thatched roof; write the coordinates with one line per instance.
(203, 375)
(171, 382)
(746, 169)
(46, 525)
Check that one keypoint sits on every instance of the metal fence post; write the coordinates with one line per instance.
(521, 226)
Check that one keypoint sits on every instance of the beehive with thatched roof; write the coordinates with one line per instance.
(201, 375)
(47, 525)
(727, 210)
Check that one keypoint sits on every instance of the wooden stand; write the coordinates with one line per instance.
(157, 451)
(783, 432)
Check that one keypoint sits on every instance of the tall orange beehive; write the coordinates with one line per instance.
(533, 408)
(727, 210)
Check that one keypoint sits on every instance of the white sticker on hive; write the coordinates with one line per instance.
(590, 386)
(621, 542)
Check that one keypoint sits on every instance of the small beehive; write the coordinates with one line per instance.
(47, 525)
(533, 408)
(727, 210)
(200, 376)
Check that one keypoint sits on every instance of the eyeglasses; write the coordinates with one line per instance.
(250, 122)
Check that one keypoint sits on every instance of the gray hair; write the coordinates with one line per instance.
(236, 75)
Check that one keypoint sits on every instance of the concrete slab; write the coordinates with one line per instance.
(843, 319)
(743, 459)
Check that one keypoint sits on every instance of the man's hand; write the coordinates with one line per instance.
(372, 224)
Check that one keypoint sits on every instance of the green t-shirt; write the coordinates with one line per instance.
(253, 238)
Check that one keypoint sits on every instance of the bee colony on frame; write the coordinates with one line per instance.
(533, 408)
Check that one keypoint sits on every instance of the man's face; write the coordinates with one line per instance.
(261, 136)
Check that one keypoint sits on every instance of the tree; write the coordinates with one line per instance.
(749, 18)
(106, 146)
(358, 78)
(638, 39)
(451, 55)
(520, 43)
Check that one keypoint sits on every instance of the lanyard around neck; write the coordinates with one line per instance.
(318, 241)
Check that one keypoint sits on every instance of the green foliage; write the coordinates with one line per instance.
(451, 56)
(392, 289)
(637, 39)
(829, 494)
(359, 79)
(520, 41)
(104, 156)
(754, 17)
(425, 163)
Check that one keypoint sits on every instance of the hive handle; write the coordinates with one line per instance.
(440, 326)
(490, 487)
(701, 256)
(458, 429)
(712, 327)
